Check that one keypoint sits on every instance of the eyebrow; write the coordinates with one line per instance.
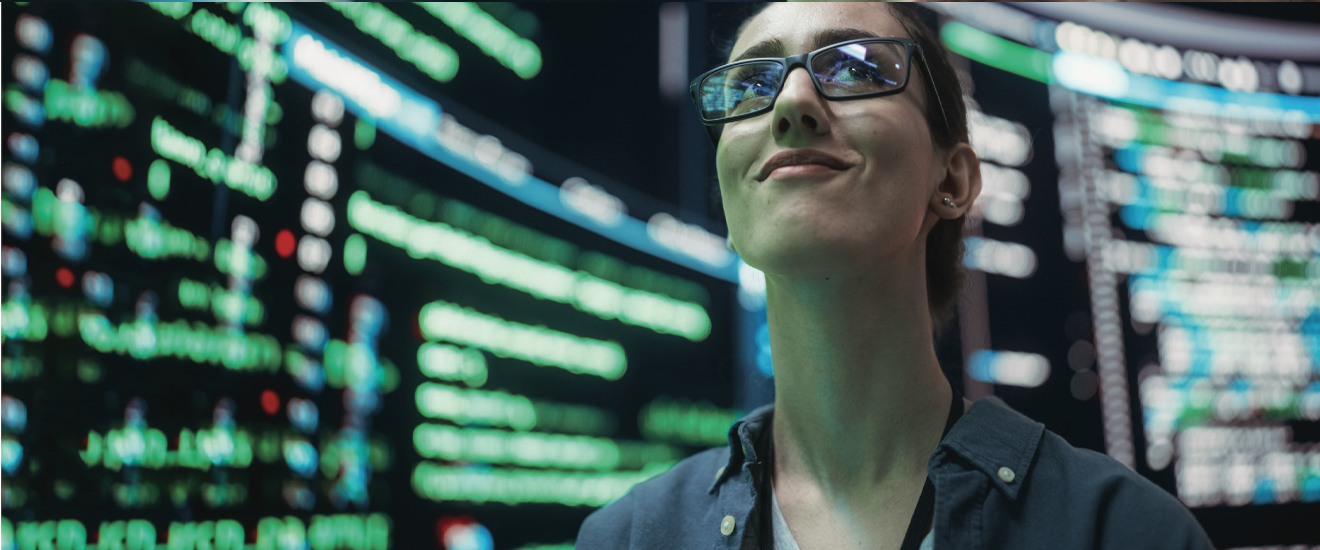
(773, 46)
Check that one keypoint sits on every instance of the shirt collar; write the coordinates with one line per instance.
(989, 436)
(744, 436)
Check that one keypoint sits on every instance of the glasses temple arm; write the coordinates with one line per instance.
(943, 113)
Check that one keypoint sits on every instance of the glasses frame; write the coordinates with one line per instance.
(910, 47)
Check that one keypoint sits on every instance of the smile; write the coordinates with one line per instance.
(801, 162)
(801, 171)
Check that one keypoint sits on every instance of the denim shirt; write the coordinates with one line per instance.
(1001, 481)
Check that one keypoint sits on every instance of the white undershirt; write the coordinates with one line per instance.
(784, 537)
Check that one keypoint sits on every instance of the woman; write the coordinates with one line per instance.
(848, 189)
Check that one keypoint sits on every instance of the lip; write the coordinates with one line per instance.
(795, 157)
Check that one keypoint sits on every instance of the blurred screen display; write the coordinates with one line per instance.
(1187, 192)
(258, 293)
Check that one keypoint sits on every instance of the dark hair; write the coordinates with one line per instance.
(944, 244)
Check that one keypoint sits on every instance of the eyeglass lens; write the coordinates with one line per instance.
(847, 70)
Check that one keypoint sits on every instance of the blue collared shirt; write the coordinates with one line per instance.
(1001, 481)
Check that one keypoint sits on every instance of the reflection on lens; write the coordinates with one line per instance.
(847, 70)
(739, 90)
(854, 69)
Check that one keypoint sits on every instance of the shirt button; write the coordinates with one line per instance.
(719, 473)
(1006, 474)
(726, 526)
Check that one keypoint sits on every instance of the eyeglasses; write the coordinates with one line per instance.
(856, 69)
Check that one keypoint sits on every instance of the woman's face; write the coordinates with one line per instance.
(813, 220)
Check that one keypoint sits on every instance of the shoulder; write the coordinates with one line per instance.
(1045, 489)
(1086, 473)
(1128, 510)
(658, 508)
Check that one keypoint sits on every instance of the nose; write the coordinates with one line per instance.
(799, 107)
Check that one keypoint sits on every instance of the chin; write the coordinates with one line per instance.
(801, 256)
(819, 248)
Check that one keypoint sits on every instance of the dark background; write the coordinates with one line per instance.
(593, 111)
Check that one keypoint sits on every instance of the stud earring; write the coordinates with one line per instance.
(948, 202)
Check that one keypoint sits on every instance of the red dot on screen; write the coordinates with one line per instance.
(284, 243)
(123, 170)
(270, 402)
(64, 277)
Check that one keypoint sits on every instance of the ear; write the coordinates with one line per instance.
(961, 183)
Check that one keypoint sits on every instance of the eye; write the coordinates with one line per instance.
(859, 71)
(856, 71)
(753, 86)
(756, 83)
(758, 86)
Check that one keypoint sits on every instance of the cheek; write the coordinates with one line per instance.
(898, 158)
(895, 183)
(893, 137)
(733, 160)
(736, 150)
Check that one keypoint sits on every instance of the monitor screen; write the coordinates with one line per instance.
(258, 291)
(1160, 188)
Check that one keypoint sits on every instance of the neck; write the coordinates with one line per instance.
(860, 401)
